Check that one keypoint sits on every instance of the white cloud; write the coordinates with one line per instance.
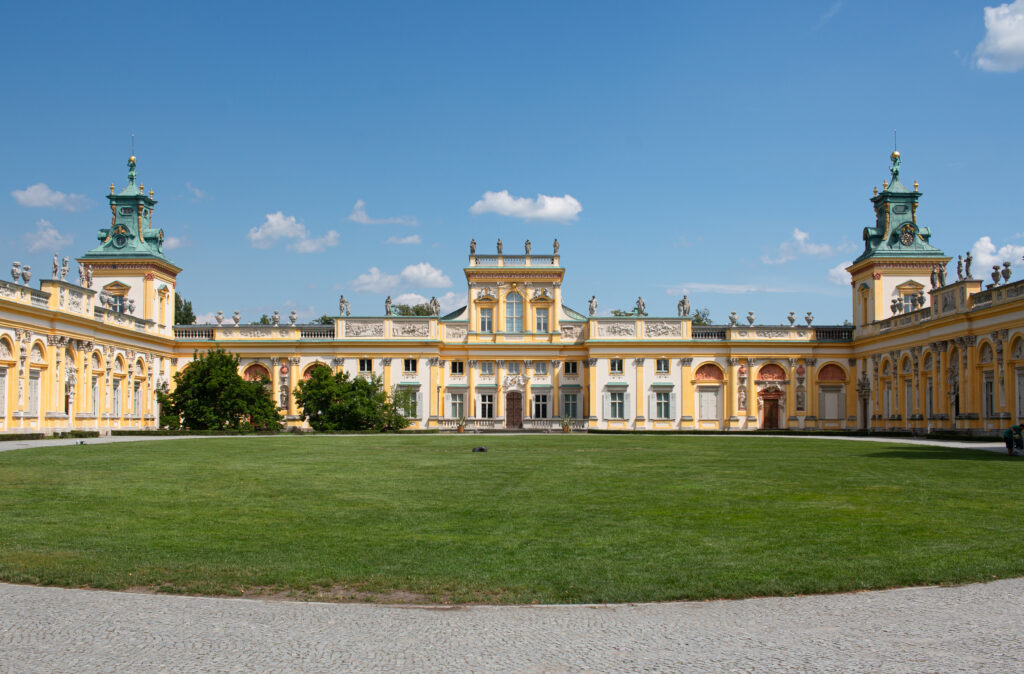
(1002, 50)
(829, 14)
(360, 215)
(374, 281)
(405, 240)
(424, 275)
(800, 245)
(331, 238)
(410, 298)
(838, 274)
(986, 256)
(41, 196)
(451, 301)
(281, 226)
(197, 194)
(173, 242)
(542, 208)
(208, 317)
(47, 238)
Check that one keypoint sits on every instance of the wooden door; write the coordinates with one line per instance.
(514, 410)
(771, 413)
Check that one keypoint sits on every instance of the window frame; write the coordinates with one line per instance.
(662, 405)
(513, 367)
(457, 368)
(487, 368)
(415, 365)
(570, 368)
(616, 366)
(486, 405)
(658, 368)
(540, 368)
(617, 405)
(369, 368)
(514, 312)
(570, 409)
(540, 405)
(487, 320)
(542, 312)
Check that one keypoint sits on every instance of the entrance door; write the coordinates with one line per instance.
(514, 410)
(771, 413)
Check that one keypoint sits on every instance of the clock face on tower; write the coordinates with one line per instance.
(119, 237)
(907, 235)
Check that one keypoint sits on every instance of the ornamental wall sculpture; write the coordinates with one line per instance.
(364, 328)
(616, 329)
(410, 329)
(654, 329)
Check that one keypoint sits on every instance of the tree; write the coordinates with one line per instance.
(264, 320)
(324, 320)
(702, 316)
(339, 402)
(422, 309)
(183, 314)
(210, 394)
(621, 312)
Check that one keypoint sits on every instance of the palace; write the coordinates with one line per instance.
(920, 354)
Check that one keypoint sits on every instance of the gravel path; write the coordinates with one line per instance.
(974, 628)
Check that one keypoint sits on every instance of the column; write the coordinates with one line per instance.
(275, 381)
(732, 395)
(686, 392)
(434, 391)
(556, 372)
(499, 397)
(293, 382)
(592, 397)
(470, 402)
(527, 395)
(641, 412)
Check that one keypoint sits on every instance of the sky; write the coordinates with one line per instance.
(726, 151)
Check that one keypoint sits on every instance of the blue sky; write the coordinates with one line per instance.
(724, 150)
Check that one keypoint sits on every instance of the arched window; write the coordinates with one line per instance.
(831, 372)
(771, 372)
(708, 372)
(513, 312)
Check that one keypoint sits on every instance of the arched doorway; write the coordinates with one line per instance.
(514, 409)
(771, 408)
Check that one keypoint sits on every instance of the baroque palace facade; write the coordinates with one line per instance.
(920, 353)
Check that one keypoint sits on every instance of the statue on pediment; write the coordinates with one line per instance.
(684, 306)
(592, 305)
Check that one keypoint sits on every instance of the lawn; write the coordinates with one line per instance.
(538, 518)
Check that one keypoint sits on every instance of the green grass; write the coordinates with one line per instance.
(537, 518)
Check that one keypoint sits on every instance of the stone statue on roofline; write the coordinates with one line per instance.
(684, 306)
(65, 267)
(967, 265)
(499, 245)
(592, 305)
(935, 276)
(435, 307)
(942, 275)
(343, 306)
(555, 246)
(56, 265)
(641, 307)
(387, 306)
(959, 267)
(472, 246)
(528, 246)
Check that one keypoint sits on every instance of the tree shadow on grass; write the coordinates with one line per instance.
(942, 453)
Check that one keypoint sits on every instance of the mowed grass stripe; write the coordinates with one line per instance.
(537, 518)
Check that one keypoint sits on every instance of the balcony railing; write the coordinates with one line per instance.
(316, 332)
(195, 333)
(709, 334)
(839, 333)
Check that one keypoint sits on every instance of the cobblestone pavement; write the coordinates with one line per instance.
(974, 628)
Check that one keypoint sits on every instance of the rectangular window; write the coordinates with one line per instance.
(117, 397)
(458, 406)
(487, 320)
(409, 365)
(514, 313)
(486, 368)
(662, 405)
(365, 365)
(662, 366)
(617, 405)
(540, 406)
(709, 403)
(540, 367)
(137, 400)
(412, 403)
(33, 393)
(458, 367)
(569, 369)
(542, 320)
(988, 395)
(486, 405)
(95, 393)
(615, 366)
(570, 405)
(513, 367)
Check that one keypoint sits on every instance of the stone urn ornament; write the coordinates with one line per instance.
(236, 317)
(26, 274)
(733, 318)
(809, 318)
(791, 318)
(131, 306)
(276, 318)
(751, 317)
(292, 317)
(995, 274)
(219, 317)
(1007, 271)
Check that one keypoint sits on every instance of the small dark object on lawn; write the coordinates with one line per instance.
(479, 449)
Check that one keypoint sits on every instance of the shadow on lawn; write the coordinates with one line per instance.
(903, 452)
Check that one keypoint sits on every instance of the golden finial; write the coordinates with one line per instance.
(132, 158)
(111, 188)
(885, 185)
(895, 154)
(142, 188)
(875, 190)
(915, 185)
(151, 194)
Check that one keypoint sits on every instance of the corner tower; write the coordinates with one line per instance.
(129, 262)
(898, 259)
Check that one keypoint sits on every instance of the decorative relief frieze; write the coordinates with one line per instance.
(355, 328)
(655, 329)
(616, 329)
(454, 332)
(253, 332)
(572, 333)
(772, 333)
(410, 329)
